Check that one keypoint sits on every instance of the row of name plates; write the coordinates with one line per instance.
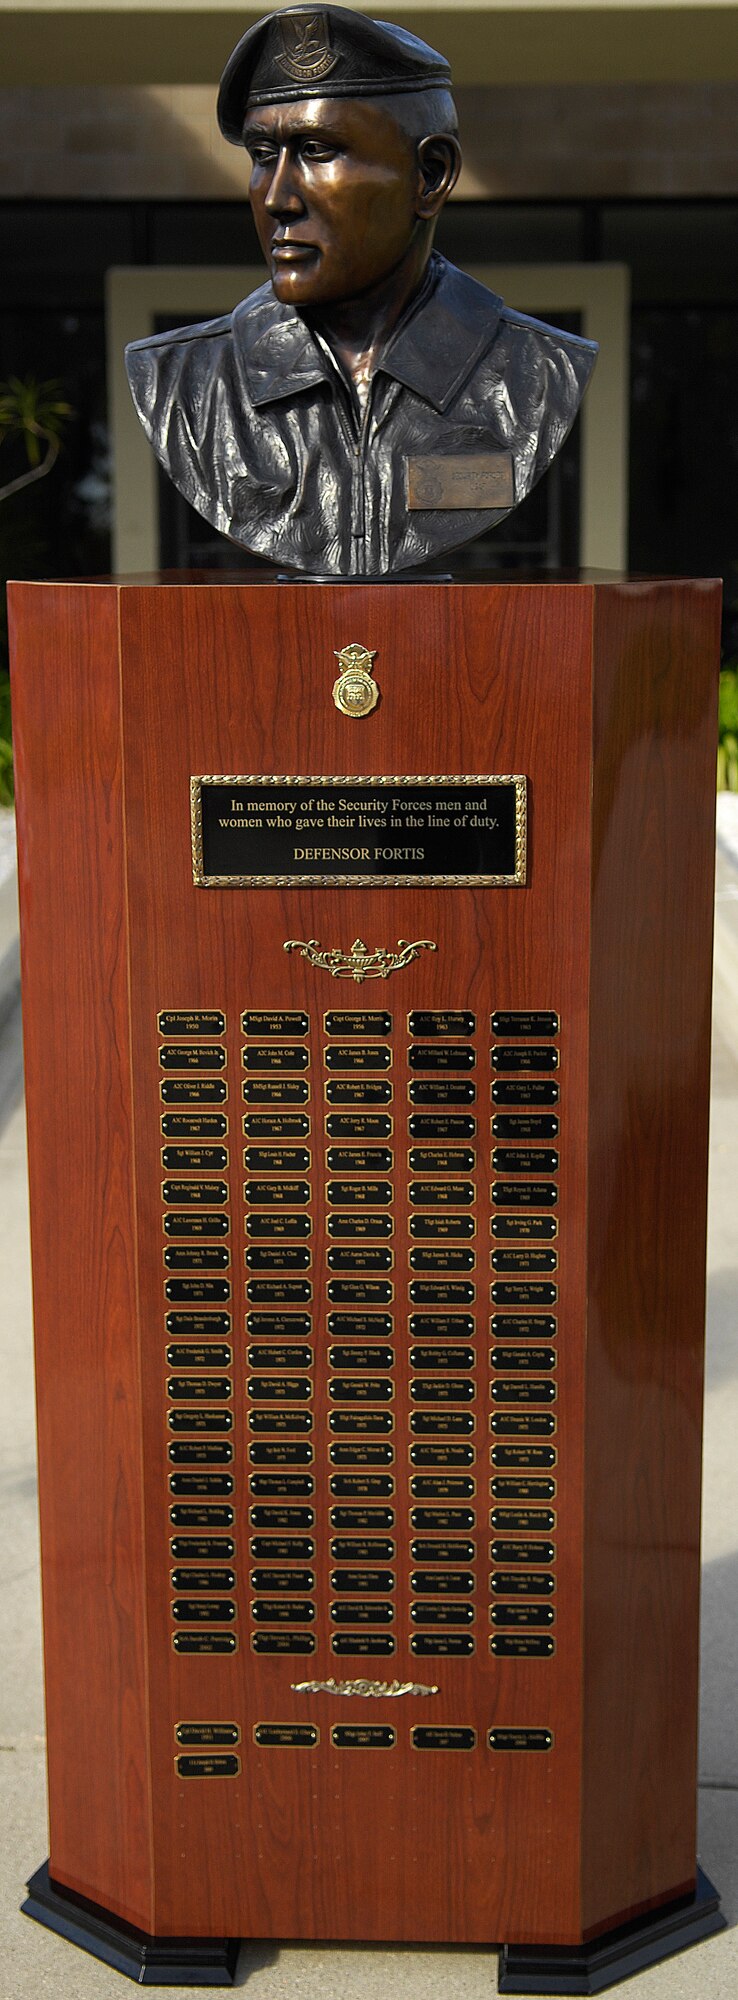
(319, 1159)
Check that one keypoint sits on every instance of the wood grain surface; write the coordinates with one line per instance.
(603, 695)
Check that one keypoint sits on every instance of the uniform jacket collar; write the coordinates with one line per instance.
(433, 351)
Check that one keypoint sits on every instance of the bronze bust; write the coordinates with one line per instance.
(371, 407)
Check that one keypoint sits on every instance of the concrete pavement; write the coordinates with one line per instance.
(35, 1963)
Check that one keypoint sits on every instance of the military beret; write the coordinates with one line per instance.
(322, 52)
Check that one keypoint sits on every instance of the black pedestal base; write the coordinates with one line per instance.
(150, 1961)
(592, 1968)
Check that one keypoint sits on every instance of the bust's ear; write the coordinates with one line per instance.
(439, 166)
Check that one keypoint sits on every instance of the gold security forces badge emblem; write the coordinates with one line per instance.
(355, 692)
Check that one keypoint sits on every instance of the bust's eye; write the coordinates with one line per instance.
(318, 149)
(261, 153)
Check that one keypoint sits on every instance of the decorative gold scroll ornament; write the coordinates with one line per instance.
(390, 1688)
(355, 693)
(359, 963)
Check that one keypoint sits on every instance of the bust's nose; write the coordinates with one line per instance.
(284, 197)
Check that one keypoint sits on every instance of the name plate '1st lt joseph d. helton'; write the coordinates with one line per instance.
(251, 832)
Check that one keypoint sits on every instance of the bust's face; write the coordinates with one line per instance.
(333, 190)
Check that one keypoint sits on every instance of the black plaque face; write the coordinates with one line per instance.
(359, 1291)
(528, 1025)
(532, 1455)
(441, 1228)
(194, 1159)
(358, 1452)
(523, 1326)
(274, 1226)
(355, 1227)
(520, 1739)
(359, 1194)
(276, 1194)
(430, 1023)
(523, 1360)
(210, 1611)
(280, 1025)
(194, 1194)
(525, 1423)
(523, 1292)
(361, 1644)
(364, 1389)
(442, 1257)
(358, 1125)
(362, 1423)
(202, 1549)
(526, 1552)
(524, 1160)
(275, 1090)
(442, 1739)
(443, 1520)
(197, 1257)
(523, 1489)
(442, 1326)
(455, 1389)
(191, 1515)
(197, 1291)
(283, 1642)
(362, 1582)
(454, 1125)
(361, 1358)
(522, 1645)
(524, 1194)
(191, 1421)
(525, 1228)
(285, 1485)
(360, 1486)
(276, 1159)
(452, 1486)
(282, 1452)
(520, 1520)
(511, 1125)
(279, 1388)
(451, 1644)
(204, 1483)
(430, 1613)
(441, 1455)
(282, 1423)
(362, 1611)
(279, 1291)
(369, 1518)
(252, 831)
(442, 1358)
(270, 1056)
(191, 1022)
(451, 1423)
(285, 1611)
(370, 1258)
(524, 1259)
(506, 1057)
(289, 1257)
(525, 1090)
(442, 1292)
(193, 1090)
(530, 1583)
(358, 1090)
(200, 1056)
(200, 1451)
(523, 1392)
(207, 1734)
(358, 1326)
(282, 1580)
(276, 1125)
(198, 1326)
(441, 1090)
(198, 1125)
(441, 1056)
(359, 1056)
(441, 1194)
(363, 1736)
(285, 1735)
(441, 1160)
(359, 1159)
(204, 1642)
(194, 1766)
(280, 1357)
(430, 1550)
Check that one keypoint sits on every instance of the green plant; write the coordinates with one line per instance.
(728, 731)
(35, 413)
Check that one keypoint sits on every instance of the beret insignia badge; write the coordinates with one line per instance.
(306, 51)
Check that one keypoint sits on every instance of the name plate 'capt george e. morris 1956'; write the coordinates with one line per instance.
(371, 406)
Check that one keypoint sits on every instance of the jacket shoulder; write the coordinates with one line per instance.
(572, 343)
(254, 307)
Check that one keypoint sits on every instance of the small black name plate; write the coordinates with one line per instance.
(251, 832)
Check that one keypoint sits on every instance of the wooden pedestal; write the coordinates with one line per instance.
(550, 1792)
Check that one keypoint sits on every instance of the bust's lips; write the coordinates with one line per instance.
(292, 250)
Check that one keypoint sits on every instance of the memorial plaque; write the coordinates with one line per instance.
(362, 1055)
(429, 1613)
(443, 1358)
(441, 1090)
(275, 1090)
(359, 1125)
(441, 1326)
(205, 1483)
(523, 1489)
(361, 1453)
(523, 1392)
(204, 1642)
(444, 1292)
(361, 1357)
(183, 1022)
(521, 1518)
(197, 1291)
(191, 1421)
(527, 1552)
(524, 1228)
(524, 1194)
(525, 1259)
(523, 1455)
(358, 1326)
(287, 1257)
(524, 1294)
(439, 1023)
(276, 1159)
(359, 1291)
(362, 1517)
(283, 1642)
(202, 1548)
(281, 1518)
(280, 1422)
(367, 1423)
(188, 1388)
(520, 1739)
(274, 1056)
(194, 1159)
(274, 1226)
(206, 1611)
(360, 1644)
(523, 1326)
(524, 1360)
(367, 1258)
(213, 1734)
(279, 1388)
(528, 1025)
(276, 1193)
(442, 1520)
(525, 1090)
(198, 1326)
(367, 1486)
(522, 1423)
(522, 1645)
(200, 1451)
(365, 1736)
(441, 1160)
(508, 1057)
(286, 1735)
(202, 1125)
(281, 1025)
(442, 1257)
(202, 1579)
(455, 1389)
(281, 1485)
(200, 1056)
(194, 1194)
(359, 1194)
(280, 1357)
(441, 1056)
(358, 1090)
(282, 1579)
(443, 1739)
(425, 1486)
(359, 1159)
(441, 1455)
(254, 831)
(358, 1226)
(451, 1644)
(285, 1611)
(512, 1583)
(196, 1257)
(278, 1291)
(276, 1125)
(431, 1550)
(193, 1090)
(454, 1423)
(207, 1767)
(524, 1160)
(441, 1194)
(352, 1021)
(190, 1515)
(441, 1228)
(364, 1611)
(361, 1389)
(511, 1125)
